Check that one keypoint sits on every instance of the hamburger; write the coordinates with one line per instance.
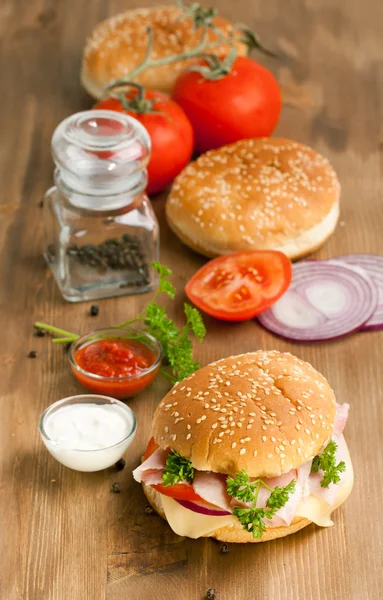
(248, 449)
(255, 194)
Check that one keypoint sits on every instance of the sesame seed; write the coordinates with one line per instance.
(307, 431)
(239, 424)
(188, 426)
(264, 438)
(198, 421)
(255, 453)
(282, 455)
(214, 426)
(166, 429)
(269, 456)
(188, 436)
(174, 437)
(234, 445)
(242, 451)
(297, 427)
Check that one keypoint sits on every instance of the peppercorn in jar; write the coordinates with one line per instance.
(101, 234)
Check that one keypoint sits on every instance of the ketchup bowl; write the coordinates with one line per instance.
(116, 362)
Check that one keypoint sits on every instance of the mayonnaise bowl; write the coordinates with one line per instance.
(87, 432)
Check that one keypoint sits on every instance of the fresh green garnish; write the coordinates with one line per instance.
(252, 518)
(176, 344)
(327, 463)
(177, 470)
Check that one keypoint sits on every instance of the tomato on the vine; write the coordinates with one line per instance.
(229, 106)
(169, 129)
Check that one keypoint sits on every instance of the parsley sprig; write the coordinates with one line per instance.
(176, 344)
(177, 469)
(252, 518)
(326, 462)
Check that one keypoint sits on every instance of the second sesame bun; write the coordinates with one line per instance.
(233, 533)
(257, 194)
(118, 45)
(264, 412)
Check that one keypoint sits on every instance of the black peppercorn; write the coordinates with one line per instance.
(116, 488)
(32, 354)
(94, 310)
(40, 332)
(120, 464)
(211, 594)
(224, 548)
(148, 509)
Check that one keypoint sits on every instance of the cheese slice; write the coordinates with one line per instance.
(318, 510)
(188, 523)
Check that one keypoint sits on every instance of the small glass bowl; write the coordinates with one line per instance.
(117, 387)
(87, 460)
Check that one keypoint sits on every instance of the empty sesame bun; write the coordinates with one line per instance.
(233, 533)
(257, 194)
(118, 45)
(264, 412)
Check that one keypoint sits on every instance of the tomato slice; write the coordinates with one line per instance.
(178, 491)
(241, 285)
(150, 448)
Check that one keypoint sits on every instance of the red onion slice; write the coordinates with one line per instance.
(324, 301)
(202, 509)
(372, 265)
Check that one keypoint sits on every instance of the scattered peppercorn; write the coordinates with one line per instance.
(148, 509)
(120, 464)
(211, 594)
(32, 354)
(40, 332)
(224, 548)
(116, 488)
(94, 310)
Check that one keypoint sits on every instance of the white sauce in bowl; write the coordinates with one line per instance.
(88, 436)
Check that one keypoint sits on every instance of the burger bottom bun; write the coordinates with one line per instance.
(232, 533)
(307, 242)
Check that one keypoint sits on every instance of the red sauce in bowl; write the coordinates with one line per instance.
(117, 367)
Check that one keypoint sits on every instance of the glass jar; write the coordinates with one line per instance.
(101, 233)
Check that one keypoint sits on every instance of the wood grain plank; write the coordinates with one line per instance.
(71, 538)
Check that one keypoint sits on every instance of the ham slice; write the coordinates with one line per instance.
(150, 471)
(212, 488)
(341, 418)
(329, 494)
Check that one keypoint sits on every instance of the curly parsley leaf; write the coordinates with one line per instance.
(241, 487)
(177, 470)
(326, 462)
(279, 496)
(194, 322)
(252, 517)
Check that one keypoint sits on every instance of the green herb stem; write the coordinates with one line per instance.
(64, 340)
(56, 330)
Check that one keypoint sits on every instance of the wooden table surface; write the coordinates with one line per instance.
(63, 534)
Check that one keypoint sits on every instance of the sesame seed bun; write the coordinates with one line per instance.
(118, 45)
(264, 412)
(233, 533)
(256, 194)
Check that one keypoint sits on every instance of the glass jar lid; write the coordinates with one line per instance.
(101, 152)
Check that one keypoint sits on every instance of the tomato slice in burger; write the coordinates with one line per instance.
(178, 491)
(241, 285)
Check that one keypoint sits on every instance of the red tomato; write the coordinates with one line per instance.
(150, 448)
(239, 286)
(170, 132)
(179, 491)
(244, 104)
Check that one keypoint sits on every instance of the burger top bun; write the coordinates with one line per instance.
(118, 45)
(256, 194)
(264, 412)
